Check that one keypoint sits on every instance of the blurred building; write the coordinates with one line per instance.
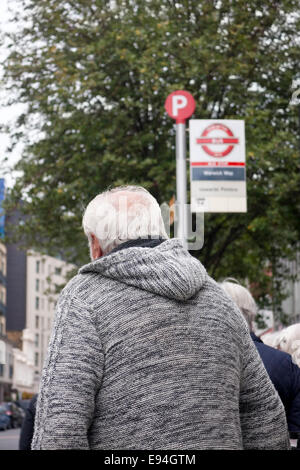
(6, 368)
(291, 305)
(30, 311)
(2, 263)
(6, 347)
(2, 217)
(23, 376)
(45, 278)
(2, 288)
(16, 283)
(33, 283)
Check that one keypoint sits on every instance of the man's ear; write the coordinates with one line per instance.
(95, 247)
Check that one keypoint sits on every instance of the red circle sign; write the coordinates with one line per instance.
(213, 136)
(180, 105)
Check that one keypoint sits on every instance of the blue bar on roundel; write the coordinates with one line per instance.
(218, 174)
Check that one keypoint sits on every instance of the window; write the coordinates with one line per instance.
(58, 271)
(1, 370)
(37, 267)
(36, 339)
(37, 285)
(37, 321)
(11, 372)
(36, 359)
(37, 303)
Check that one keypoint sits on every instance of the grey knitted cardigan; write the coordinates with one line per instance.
(147, 352)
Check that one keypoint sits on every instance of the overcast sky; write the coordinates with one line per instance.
(7, 114)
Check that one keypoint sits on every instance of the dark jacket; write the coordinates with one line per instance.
(285, 376)
(28, 426)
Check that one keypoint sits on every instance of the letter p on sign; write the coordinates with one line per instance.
(180, 105)
(178, 102)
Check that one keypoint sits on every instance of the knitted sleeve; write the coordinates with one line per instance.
(262, 414)
(71, 378)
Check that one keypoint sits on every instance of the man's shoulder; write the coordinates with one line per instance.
(217, 305)
(79, 287)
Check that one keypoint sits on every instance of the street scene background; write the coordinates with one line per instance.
(83, 87)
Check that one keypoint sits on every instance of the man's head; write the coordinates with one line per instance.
(121, 214)
(243, 299)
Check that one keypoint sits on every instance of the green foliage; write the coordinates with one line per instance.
(95, 75)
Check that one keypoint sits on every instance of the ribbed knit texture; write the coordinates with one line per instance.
(147, 352)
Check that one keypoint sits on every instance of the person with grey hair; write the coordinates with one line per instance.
(147, 351)
(284, 374)
(242, 298)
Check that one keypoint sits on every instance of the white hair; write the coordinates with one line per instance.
(272, 338)
(121, 214)
(242, 298)
(287, 340)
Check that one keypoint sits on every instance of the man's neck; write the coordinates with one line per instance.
(139, 242)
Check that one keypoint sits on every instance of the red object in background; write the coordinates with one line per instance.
(206, 139)
(180, 105)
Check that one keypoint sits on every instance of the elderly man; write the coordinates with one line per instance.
(147, 351)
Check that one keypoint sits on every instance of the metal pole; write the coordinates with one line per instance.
(181, 197)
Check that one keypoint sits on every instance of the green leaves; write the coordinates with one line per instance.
(97, 75)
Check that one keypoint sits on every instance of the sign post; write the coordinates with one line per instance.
(180, 105)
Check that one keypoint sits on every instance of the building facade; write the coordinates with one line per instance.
(2, 289)
(29, 287)
(45, 278)
(16, 283)
(291, 305)
(6, 347)
(34, 282)
(6, 368)
(23, 375)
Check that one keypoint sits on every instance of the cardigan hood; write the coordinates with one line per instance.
(166, 269)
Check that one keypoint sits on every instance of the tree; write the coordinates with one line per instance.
(95, 74)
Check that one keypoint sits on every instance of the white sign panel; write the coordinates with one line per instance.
(218, 165)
